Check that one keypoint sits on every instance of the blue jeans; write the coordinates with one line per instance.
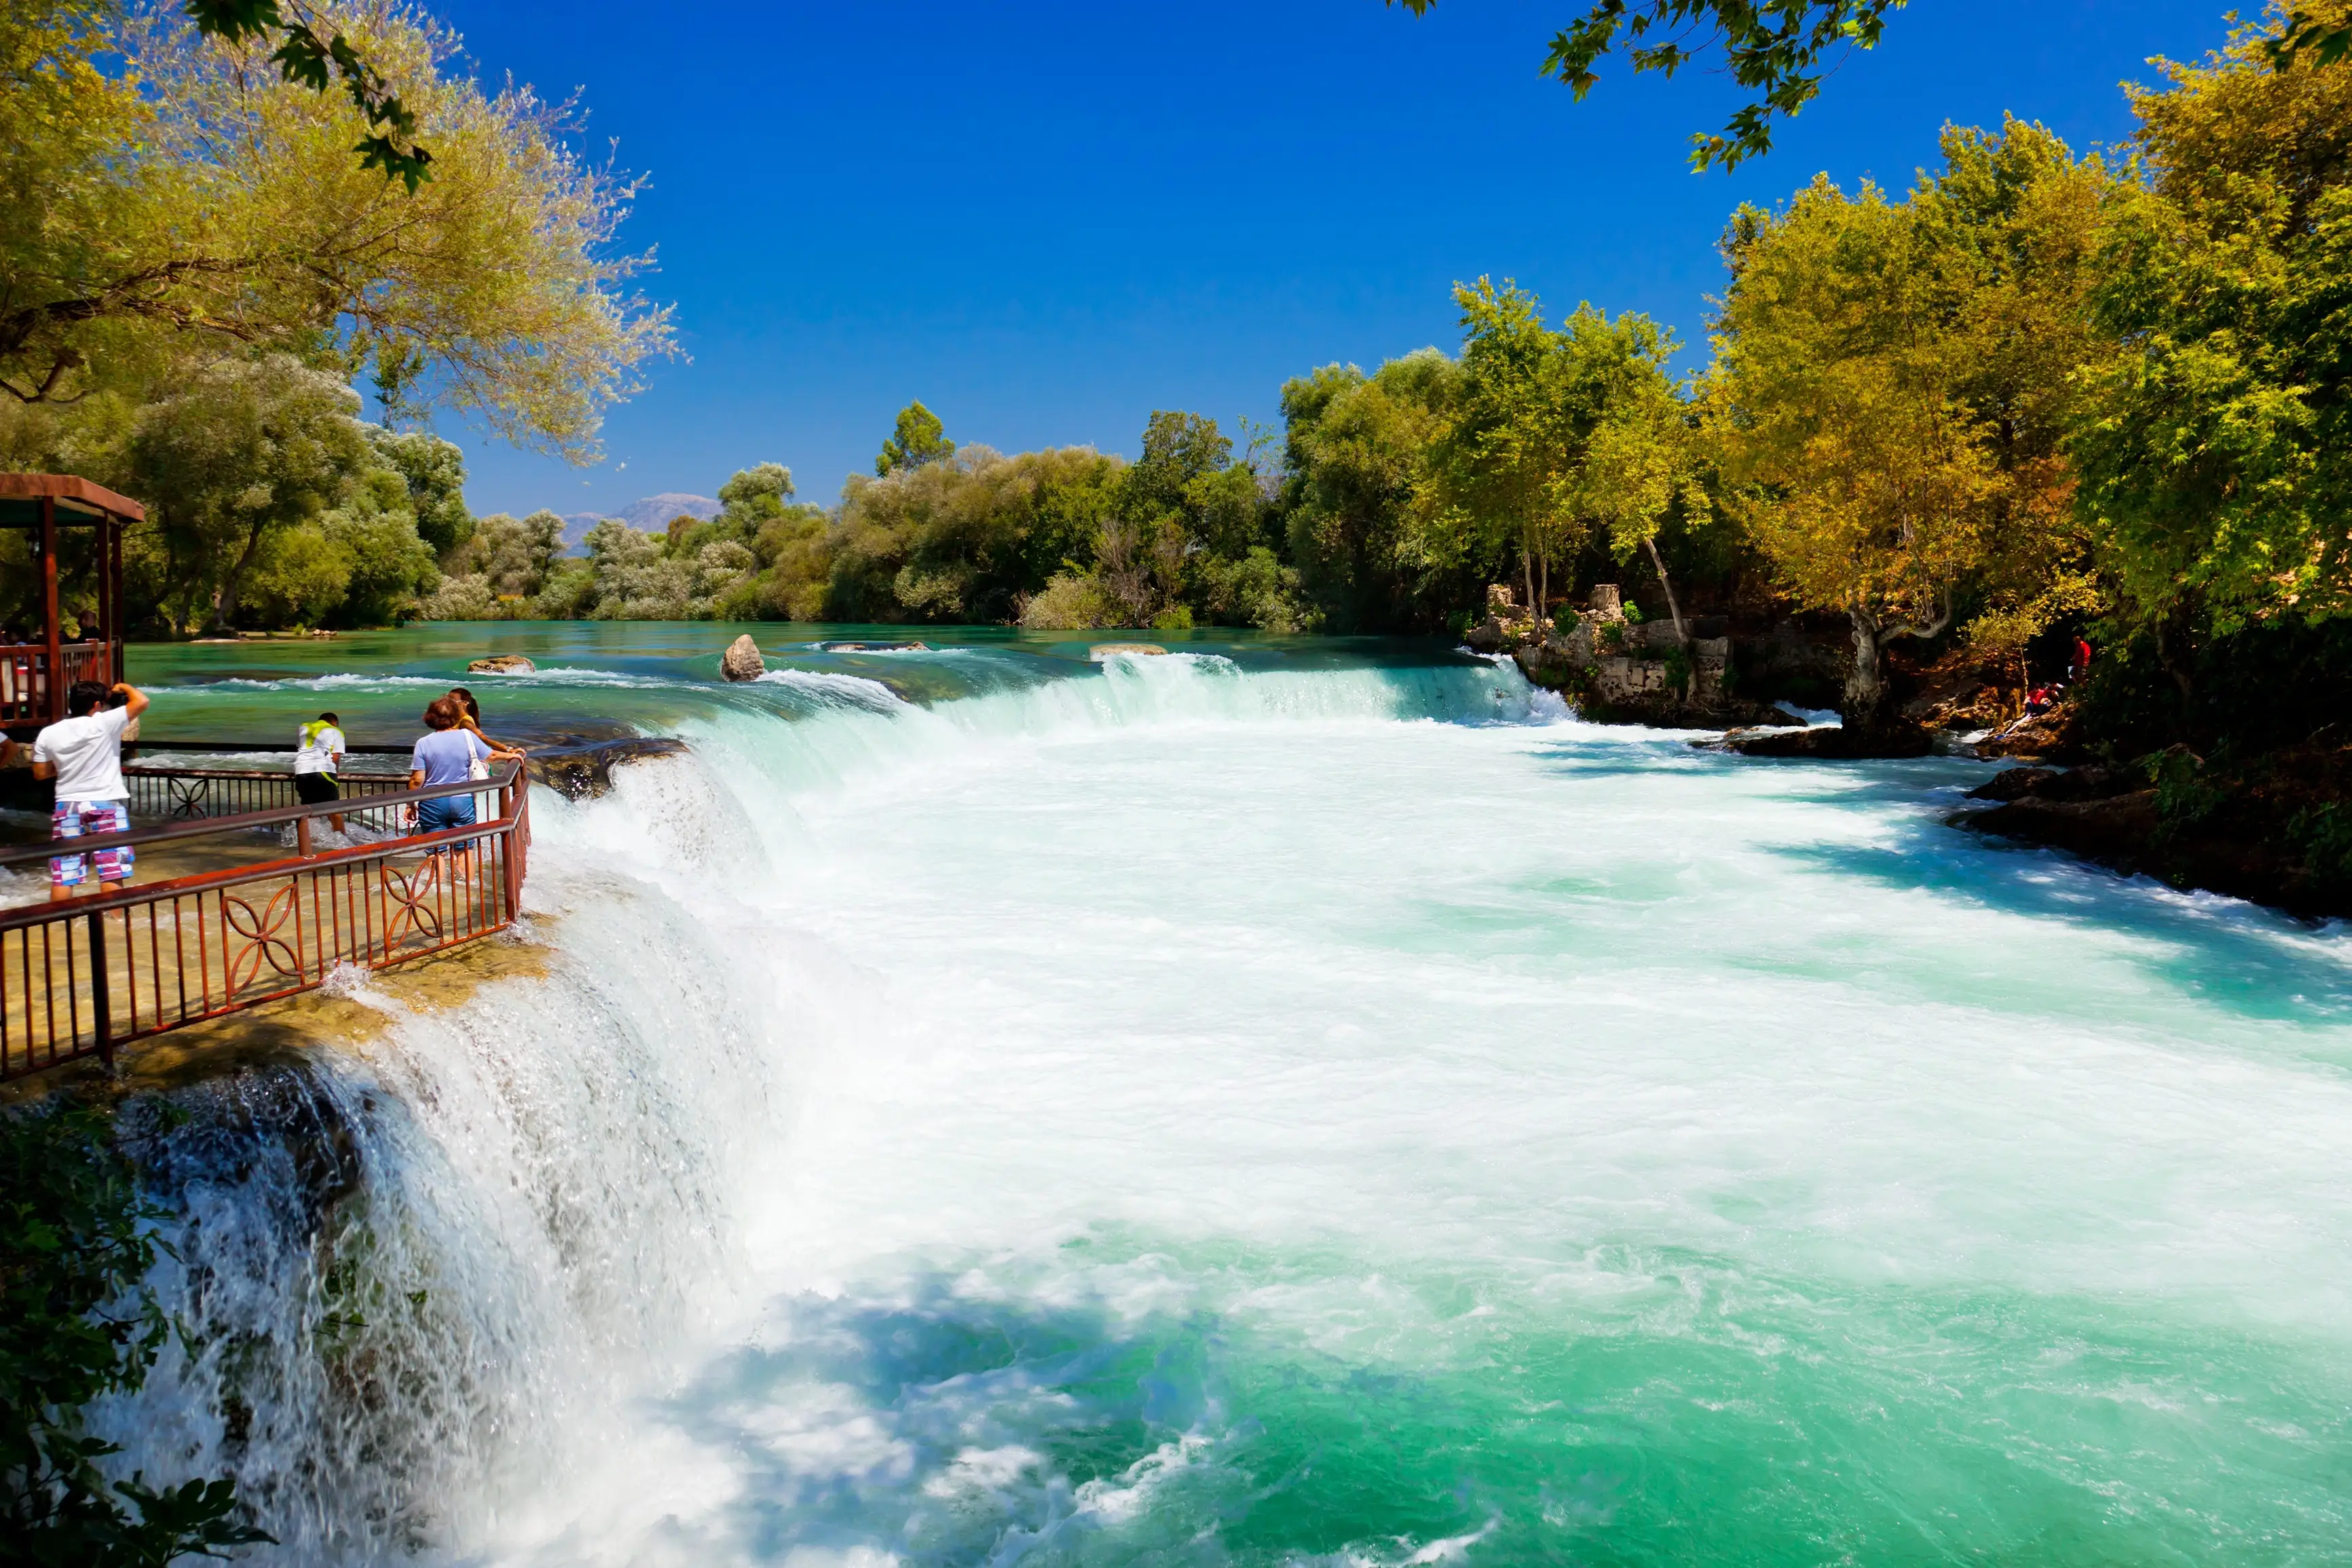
(449, 811)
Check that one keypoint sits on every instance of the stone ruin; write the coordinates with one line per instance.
(1611, 665)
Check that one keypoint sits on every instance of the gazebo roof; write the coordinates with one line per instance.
(78, 500)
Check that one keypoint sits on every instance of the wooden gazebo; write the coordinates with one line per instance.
(35, 676)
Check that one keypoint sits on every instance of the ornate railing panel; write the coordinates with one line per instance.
(182, 793)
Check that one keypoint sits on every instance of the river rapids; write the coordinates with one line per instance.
(1268, 1106)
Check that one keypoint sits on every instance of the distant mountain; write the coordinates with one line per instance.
(652, 513)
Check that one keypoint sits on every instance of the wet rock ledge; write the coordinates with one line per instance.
(2243, 837)
(582, 770)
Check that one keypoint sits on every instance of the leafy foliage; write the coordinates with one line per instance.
(76, 1322)
(917, 439)
(1775, 49)
(192, 203)
(2217, 452)
(303, 56)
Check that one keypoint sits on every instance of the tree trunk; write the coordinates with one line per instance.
(1682, 631)
(2167, 657)
(224, 601)
(1866, 683)
(1528, 570)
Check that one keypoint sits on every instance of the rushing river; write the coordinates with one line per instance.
(1289, 1102)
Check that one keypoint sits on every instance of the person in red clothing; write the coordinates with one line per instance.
(2081, 665)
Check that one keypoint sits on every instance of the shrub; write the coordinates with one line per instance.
(78, 1320)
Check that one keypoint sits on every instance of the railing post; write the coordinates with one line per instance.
(100, 1013)
(516, 794)
(302, 837)
(51, 648)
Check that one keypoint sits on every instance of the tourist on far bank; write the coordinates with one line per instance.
(446, 756)
(84, 753)
(2081, 667)
(318, 758)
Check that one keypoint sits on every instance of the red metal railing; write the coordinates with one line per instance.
(25, 676)
(182, 793)
(82, 977)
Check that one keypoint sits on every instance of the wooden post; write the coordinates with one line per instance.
(100, 1012)
(302, 837)
(109, 608)
(114, 575)
(49, 605)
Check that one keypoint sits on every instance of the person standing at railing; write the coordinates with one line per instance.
(446, 756)
(84, 755)
(469, 716)
(318, 758)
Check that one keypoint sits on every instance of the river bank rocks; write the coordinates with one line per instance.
(2276, 831)
(742, 661)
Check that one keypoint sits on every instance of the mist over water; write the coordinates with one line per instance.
(1277, 1103)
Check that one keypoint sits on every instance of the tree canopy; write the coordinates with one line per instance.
(189, 204)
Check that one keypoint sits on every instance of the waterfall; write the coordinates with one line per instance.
(975, 1107)
(422, 1279)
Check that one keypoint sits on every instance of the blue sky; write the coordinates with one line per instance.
(1045, 220)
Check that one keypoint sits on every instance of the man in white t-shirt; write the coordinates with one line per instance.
(84, 755)
(318, 757)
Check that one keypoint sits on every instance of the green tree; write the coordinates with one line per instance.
(1891, 385)
(249, 450)
(1778, 50)
(1356, 460)
(2216, 445)
(917, 439)
(435, 473)
(969, 537)
(192, 203)
(1510, 471)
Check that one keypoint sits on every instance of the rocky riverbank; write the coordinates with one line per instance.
(2277, 830)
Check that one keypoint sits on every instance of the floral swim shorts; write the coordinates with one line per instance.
(75, 818)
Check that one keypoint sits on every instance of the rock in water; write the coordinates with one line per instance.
(501, 664)
(742, 661)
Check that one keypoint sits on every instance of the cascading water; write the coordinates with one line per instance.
(1209, 1108)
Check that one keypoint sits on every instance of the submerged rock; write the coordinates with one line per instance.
(1103, 650)
(585, 771)
(874, 647)
(1834, 742)
(501, 664)
(742, 661)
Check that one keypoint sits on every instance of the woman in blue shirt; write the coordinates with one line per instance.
(445, 756)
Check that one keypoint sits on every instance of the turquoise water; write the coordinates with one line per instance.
(1310, 1102)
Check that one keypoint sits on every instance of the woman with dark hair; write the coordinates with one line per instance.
(447, 755)
(470, 716)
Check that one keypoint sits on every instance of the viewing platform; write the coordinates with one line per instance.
(83, 977)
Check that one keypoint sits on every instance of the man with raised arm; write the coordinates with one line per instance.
(84, 753)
